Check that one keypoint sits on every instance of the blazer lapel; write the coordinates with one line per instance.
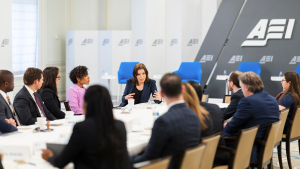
(7, 105)
(28, 94)
(146, 86)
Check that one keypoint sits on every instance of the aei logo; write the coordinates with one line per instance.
(236, 58)
(206, 58)
(87, 41)
(274, 32)
(157, 42)
(173, 42)
(70, 41)
(139, 42)
(296, 59)
(4, 42)
(265, 59)
(192, 41)
(105, 42)
(123, 41)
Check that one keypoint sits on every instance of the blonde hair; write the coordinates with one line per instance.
(192, 101)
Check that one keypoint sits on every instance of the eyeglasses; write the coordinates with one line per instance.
(37, 129)
(227, 80)
(58, 77)
(283, 80)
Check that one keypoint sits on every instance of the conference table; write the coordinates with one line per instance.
(138, 122)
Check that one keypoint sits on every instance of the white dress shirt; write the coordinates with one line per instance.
(31, 93)
(4, 96)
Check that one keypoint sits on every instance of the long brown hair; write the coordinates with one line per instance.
(50, 74)
(136, 68)
(192, 101)
(294, 88)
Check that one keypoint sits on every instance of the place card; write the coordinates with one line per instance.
(15, 152)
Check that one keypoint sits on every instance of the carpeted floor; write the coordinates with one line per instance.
(295, 158)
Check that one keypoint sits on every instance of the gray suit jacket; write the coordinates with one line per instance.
(5, 110)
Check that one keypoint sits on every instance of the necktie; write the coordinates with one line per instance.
(39, 104)
(14, 112)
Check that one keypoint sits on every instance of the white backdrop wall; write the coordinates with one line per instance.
(114, 48)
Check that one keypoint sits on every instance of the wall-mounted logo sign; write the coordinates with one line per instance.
(274, 32)
(139, 42)
(173, 42)
(123, 42)
(70, 41)
(265, 59)
(87, 41)
(236, 58)
(192, 42)
(157, 42)
(4, 42)
(105, 42)
(296, 59)
(206, 58)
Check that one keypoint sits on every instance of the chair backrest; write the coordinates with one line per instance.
(298, 69)
(210, 151)
(193, 157)
(269, 139)
(67, 106)
(125, 70)
(250, 66)
(226, 98)
(190, 70)
(295, 132)
(241, 159)
(205, 98)
(154, 164)
(282, 117)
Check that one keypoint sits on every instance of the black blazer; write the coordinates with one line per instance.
(27, 109)
(6, 128)
(149, 88)
(52, 103)
(82, 150)
(231, 109)
(221, 157)
(5, 110)
(179, 128)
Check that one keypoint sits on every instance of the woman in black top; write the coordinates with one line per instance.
(48, 91)
(99, 142)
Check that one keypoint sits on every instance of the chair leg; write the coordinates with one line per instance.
(279, 156)
(288, 153)
(299, 146)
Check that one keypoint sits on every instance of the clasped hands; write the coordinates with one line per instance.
(156, 96)
(11, 121)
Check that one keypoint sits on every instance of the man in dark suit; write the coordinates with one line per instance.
(6, 109)
(234, 86)
(28, 104)
(216, 115)
(179, 128)
(256, 108)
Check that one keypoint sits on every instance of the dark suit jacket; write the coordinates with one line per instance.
(149, 88)
(5, 110)
(259, 109)
(231, 109)
(52, 103)
(221, 157)
(82, 148)
(6, 128)
(179, 128)
(27, 109)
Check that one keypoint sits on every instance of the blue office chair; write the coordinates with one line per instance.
(250, 66)
(190, 71)
(297, 70)
(124, 73)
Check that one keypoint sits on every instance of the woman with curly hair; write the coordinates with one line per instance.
(79, 76)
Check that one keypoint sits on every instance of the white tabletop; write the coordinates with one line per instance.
(222, 77)
(140, 120)
(277, 78)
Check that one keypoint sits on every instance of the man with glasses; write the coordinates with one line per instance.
(234, 86)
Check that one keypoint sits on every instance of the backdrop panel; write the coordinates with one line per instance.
(267, 32)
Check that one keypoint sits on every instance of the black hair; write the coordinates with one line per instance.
(197, 88)
(99, 107)
(171, 85)
(78, 72)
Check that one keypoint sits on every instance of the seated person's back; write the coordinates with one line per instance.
(257, 108)
(97, 142)
(179, 128)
